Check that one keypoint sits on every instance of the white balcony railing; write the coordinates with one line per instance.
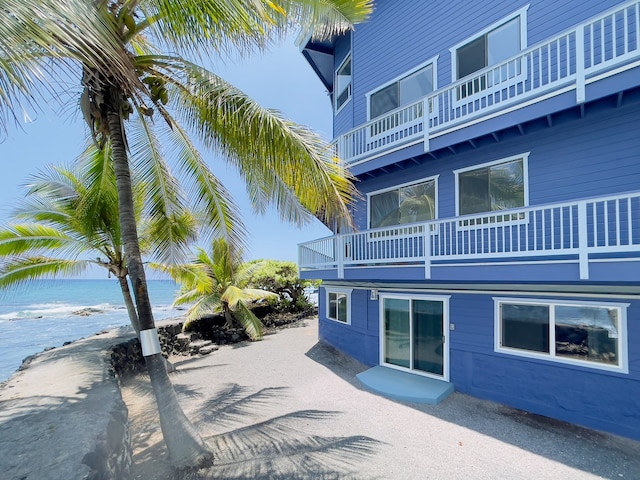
(567, 61)
(574, 231)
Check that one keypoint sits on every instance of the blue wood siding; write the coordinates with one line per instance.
(592, 156)
(593, 398)
(403, 34)
(364, 327)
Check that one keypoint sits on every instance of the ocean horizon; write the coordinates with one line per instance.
(48, 313)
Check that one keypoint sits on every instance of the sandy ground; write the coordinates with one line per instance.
(290, 408)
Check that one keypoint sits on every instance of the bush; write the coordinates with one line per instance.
(281, 277)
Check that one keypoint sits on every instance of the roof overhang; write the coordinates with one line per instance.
(319, 54)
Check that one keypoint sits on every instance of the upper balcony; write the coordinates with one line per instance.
(595, 59)
(567, 242)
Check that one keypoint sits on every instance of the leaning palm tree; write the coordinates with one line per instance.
(218, 283)
(147, 71)
(69, 222)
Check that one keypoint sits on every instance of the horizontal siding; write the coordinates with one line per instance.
(596, 155)
(593, 398)
(402, 34)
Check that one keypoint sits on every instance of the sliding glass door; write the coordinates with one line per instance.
(413, 334)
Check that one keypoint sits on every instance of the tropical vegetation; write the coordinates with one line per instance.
(138, 59)
(218, 283)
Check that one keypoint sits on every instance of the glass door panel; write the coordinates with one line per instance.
(428, 336)
(397, 333)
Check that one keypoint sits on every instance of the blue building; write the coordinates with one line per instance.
(497, 242)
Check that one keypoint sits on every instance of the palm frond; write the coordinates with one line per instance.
(251, 324)
(20, 271)
(269, 151)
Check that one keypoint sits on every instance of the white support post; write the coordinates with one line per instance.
(583, 241)
(426, 245)
(426, 115)
(340, 254)
(581, 93)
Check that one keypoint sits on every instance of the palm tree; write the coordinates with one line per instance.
(218, 283)
(124, 73)
(69, 222)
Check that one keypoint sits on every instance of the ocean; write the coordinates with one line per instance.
(44, 314)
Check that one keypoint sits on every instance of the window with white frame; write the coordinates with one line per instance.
(491, 46)
(586, 333)
(492, 186)
(338, 304)
(403, 90)
(409, 203)
(343, 83)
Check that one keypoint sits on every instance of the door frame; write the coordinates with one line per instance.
(445, 332)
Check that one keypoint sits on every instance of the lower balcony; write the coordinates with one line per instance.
(596, 239)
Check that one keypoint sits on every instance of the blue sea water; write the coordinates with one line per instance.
(41, 315)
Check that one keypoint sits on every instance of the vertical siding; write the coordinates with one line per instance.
(402, 34)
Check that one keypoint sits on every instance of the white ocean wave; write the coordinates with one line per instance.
(57, 310)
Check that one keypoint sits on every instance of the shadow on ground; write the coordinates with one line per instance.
(276, 448)
(595, 452)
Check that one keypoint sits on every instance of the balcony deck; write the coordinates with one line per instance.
(570, 68)
(570, 241)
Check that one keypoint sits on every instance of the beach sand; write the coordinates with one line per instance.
(288, 407)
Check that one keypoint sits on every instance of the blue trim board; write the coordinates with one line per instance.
(405, 386)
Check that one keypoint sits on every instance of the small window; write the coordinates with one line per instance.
(405, 204)
(493, 186)
(402, 91)
(493, 45)
(584, 333)
(338, 308)
(343, 83)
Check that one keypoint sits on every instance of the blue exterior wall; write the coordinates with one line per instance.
(590, 397)
(579, 158)
(402, 34)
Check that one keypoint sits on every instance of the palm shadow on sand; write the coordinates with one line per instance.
(281, 447)
(253, 444)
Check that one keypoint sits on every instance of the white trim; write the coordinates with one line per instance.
(433, 178)
(525, 176)
(336, 94)
(445, 331)
(522, 13)
(622, 343)
(434, 70)
(339, 290)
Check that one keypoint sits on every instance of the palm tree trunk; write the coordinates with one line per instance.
(186, 448)
(128, 301)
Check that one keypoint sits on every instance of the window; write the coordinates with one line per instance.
(493, 186)
(338, 300)
(570, 332)
(496, 43)
(405, 204)
(402, 91)
(343, 83)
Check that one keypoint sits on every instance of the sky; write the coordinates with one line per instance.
(280, 79)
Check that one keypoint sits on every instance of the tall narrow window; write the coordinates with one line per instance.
(343, 83)
(338, 300)
(403, 91)
(407, 204)
(496, 186)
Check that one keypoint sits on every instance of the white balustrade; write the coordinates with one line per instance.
(572, 230)
(567, 60)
